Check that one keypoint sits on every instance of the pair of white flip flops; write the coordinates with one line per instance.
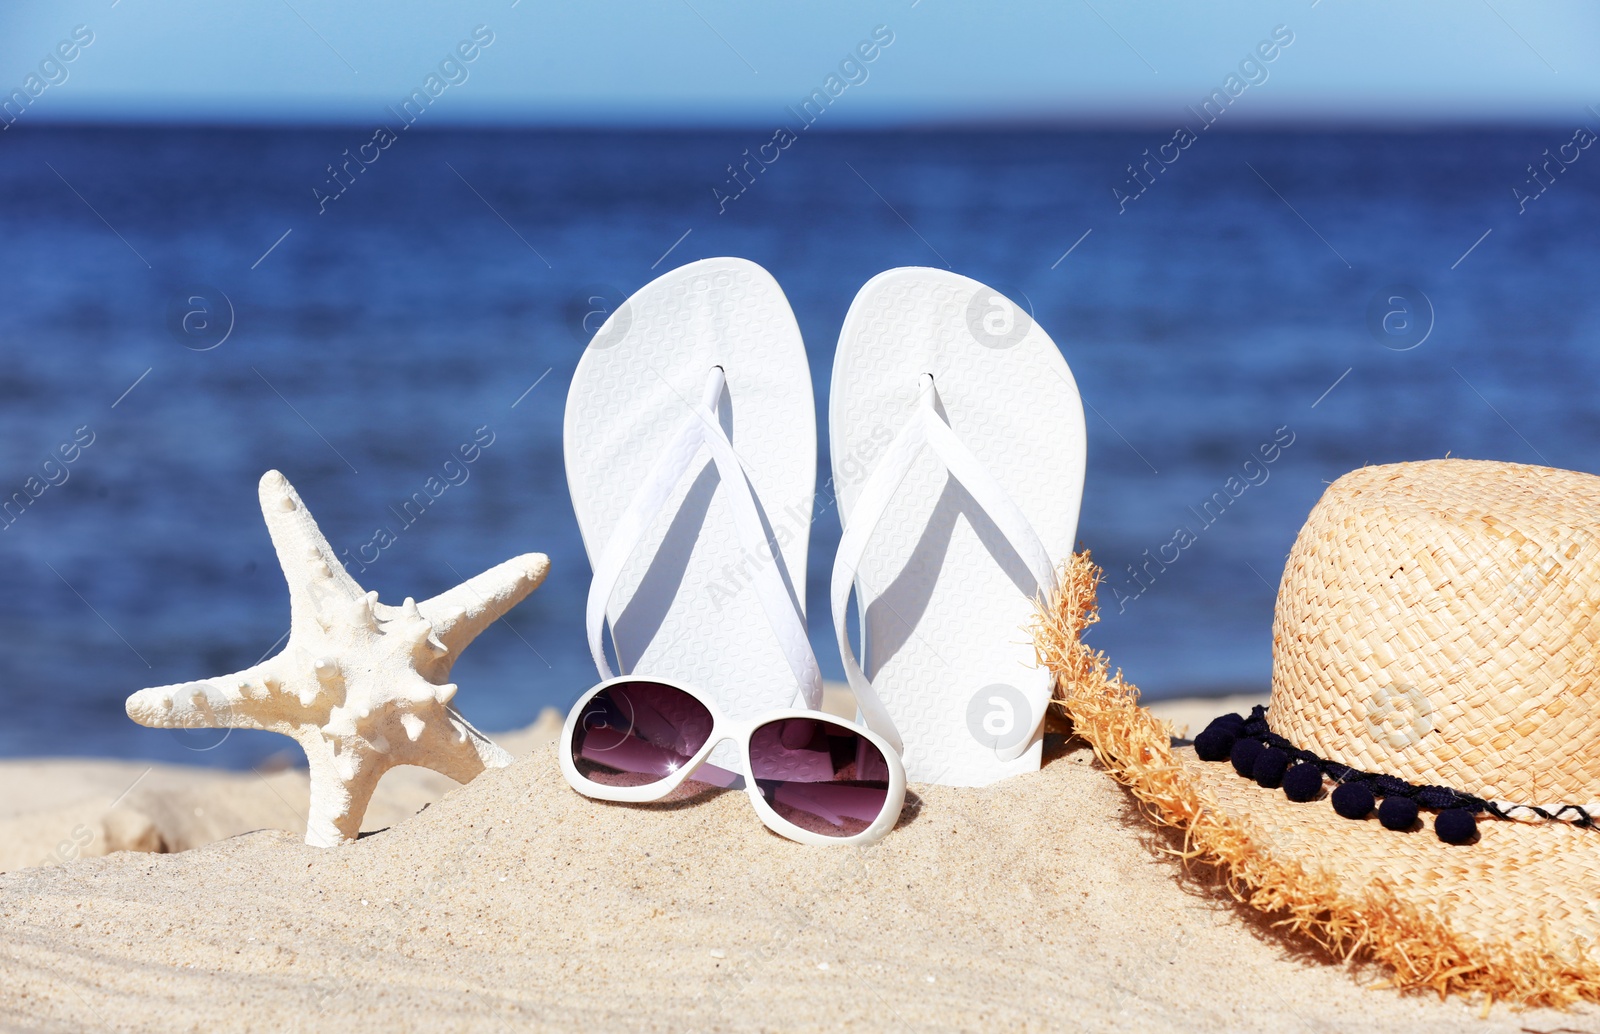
(958, 462)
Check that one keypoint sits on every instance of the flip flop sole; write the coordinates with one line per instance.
(945, 599)
(684, 606)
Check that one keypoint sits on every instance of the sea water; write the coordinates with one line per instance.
(182, 309)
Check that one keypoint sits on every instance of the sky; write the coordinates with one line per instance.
(736, 62)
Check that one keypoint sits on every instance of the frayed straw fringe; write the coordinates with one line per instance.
(1420, 952)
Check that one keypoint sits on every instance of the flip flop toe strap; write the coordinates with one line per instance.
(701, 428)
(925, 429)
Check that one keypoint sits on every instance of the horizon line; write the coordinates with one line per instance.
(1131, 122)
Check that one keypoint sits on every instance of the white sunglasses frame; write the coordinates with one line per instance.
(724, 729)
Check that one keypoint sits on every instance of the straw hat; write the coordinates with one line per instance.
(1436, 678)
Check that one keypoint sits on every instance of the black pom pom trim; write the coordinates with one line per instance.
(1271, 764)
(1260, 754)
(1243, 755)
(1456, 826)
(1302, 783)
(1215, 744)
(1389, 786)
(1337, 772)
(1398, 813)
(1353, 800)
(1435, 798)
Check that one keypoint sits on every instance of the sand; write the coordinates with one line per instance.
(1041, 903)
(62, 809)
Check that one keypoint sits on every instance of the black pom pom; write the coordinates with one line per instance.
(1455, 826)
(1302, 783)
(1232, 721)
(1353, 800)
(1270, 765)
(1214, 744)
(1397, 813)
(1243, 756)
(1436, 797)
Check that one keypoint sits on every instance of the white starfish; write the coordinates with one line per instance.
(360, 685)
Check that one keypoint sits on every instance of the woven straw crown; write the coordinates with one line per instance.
(1436, 621)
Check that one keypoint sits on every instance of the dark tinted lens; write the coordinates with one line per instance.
(819, 775)
(637, 733)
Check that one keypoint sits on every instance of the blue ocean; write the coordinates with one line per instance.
(182, 309)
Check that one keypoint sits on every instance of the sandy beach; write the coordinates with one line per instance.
(381, 377)
(513, 903)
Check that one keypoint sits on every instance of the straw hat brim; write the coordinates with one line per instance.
(1513, 915)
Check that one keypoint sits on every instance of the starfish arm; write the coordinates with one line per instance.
(243, 700)
(448, 744)
(341, 787)
(458, 615)
(490, 753)
(318, 583)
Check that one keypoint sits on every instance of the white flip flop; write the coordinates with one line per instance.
(958, 461)
(691, 445)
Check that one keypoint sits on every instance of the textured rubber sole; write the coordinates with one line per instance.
(945, 599)
(684, 607)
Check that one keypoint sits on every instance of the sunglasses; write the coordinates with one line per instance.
(814, 778)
